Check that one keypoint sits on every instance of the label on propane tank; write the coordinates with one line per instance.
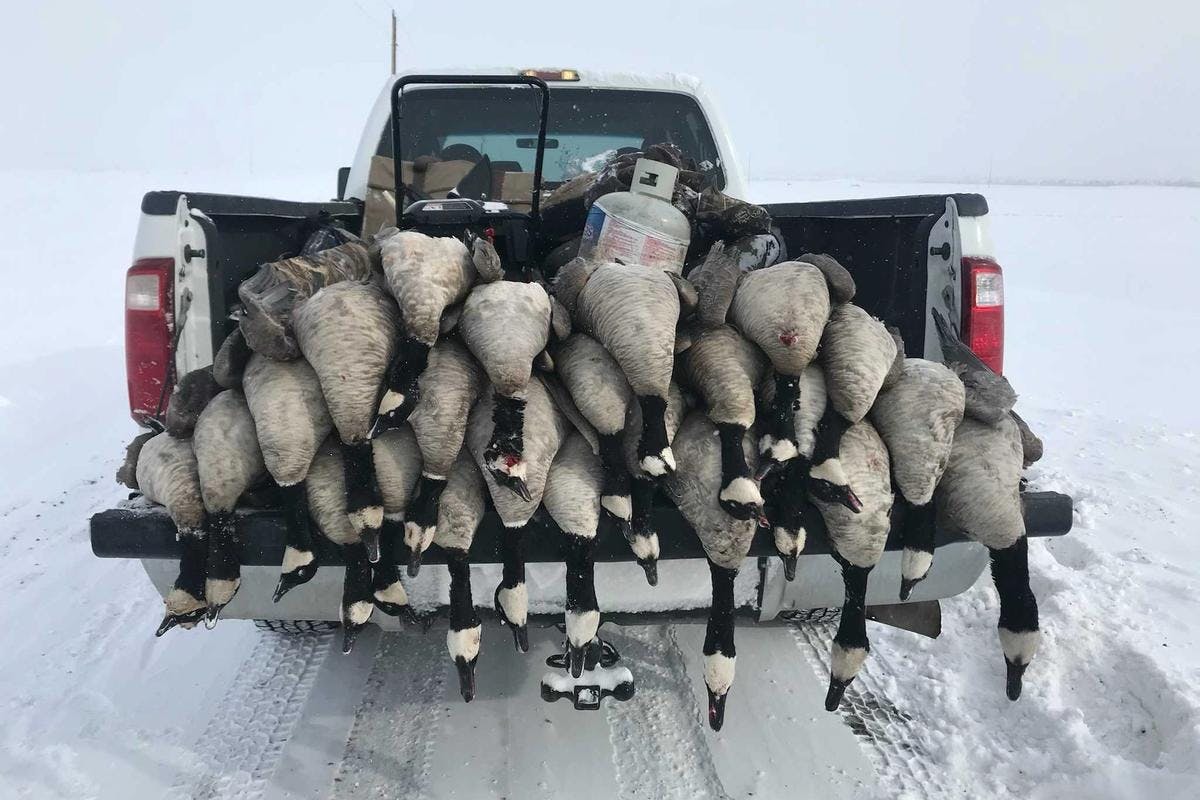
(607, 237)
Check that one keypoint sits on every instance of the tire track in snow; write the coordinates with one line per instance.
(397, 726)
(659, 749)
(242, 742)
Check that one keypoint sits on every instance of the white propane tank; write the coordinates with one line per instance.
(639, 226)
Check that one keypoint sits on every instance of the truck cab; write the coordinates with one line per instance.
(910, 257)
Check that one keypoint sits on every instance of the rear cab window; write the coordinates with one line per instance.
(586, 127)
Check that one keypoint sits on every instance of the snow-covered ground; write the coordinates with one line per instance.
(1102, 335)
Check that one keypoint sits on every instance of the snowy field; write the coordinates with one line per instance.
(1102, 333)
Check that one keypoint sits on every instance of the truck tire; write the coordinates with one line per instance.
(296, 627)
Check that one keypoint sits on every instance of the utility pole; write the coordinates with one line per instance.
(393, 41)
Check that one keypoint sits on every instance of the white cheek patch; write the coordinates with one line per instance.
(915, 564)
(742, 491)
(220, 591)
(369, 517)
(417, 537)
(515, 602)
(845, 662)
(294, 559)
(390, 402)
(393, 593)
(1019, 648)
(619, 505)
(358, 613)
(789, 542)
(830, 470)
(645, 547)
(777, 449)
(582, 626)
(178, 601)
(718, 672)
(653, 465)
(464, 644)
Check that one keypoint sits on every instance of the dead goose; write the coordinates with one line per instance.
(633, 312)
(857, 355)
(426, 275)
(572, 498)
(229, 461)
(397, 466)
(449, 387)
(166, 473)
(979, 496)
(291, 420)
(601, 393)
(460, 510)
(724, 368)
(544, 428)
(346, 332)
(506, 325)
(857, 540)
(917, 417)
(726, 541)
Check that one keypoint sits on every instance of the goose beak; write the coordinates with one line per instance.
(650, 566)
(466, 677)
(850, 500)
(837, 689)
(789, 566)
(520, 637)
(518, 487)
(185, 621)
(760, 517)
(1013, 681)
(716, 709)
(212, 615)
(765, 468)
(576, 657)
(414, 563)
(370, 540)
(287, 582)
(168, 622)
(349, 634)
(906, 586)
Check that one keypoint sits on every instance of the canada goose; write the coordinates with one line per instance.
(642, 536)
(544, 429)
(346, 331)
(726, 541)
(229, 461)
(724, 368)
(632, 311)
(426, 275)
(448, 388)
(291, 420)
(127, 472)
(917, 417)
(857, 355)
(857, 541)
(603, 396)
(363, 589)
(397, 466)
(506, 325)
(572, 498)
(979, 495)
(460, 510)
(271, 295)
(166, 473)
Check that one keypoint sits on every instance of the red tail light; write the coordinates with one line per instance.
(983, 310)
(148, 306)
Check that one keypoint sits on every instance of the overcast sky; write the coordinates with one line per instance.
(966, 90)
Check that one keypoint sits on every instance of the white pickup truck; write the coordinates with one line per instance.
(909, 256)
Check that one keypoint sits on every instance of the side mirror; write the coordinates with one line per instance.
(342, 178)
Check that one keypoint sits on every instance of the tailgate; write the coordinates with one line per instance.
(902, 251)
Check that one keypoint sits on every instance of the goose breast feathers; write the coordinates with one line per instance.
(783, 309)
(228, 456)
(167, 474)
(506, 324)
(289, 414)
(426, 274)
(857, 353)
(860, 538)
